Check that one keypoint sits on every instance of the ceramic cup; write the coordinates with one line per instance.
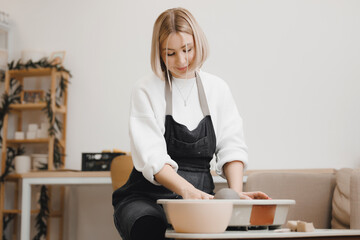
(19, 135)
(22, 164)
(30, 135)
(33, 127)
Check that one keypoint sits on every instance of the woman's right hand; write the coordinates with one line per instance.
(190, 192)
(177, 184)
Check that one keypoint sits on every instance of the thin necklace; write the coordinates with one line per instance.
(182, 96)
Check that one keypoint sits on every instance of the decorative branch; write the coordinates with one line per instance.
(55, 127)
(42, 217)
(9, 98)
(2, 76)
(6, 221)
(62, 86)
(57, 154)
(9, 164)
(42, 63)
(50, 114)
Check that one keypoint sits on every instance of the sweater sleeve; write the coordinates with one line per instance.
(230, 138)
(148, 146)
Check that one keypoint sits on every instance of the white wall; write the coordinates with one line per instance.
(293, 67)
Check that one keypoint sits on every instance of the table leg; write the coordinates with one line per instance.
(25, 210)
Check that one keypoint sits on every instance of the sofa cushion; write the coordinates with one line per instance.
(355, 199)
(313, 193)
(341, 200)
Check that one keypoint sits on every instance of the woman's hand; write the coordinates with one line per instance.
(191, 192)
(234, 174)
(174, 182)
(253, 195)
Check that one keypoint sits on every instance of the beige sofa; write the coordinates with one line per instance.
(329, 198)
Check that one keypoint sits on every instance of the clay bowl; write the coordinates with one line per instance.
(198, 216)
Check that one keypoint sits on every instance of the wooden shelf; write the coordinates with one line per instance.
(18, 211)
(29, 141)
(11, 211)
(18, 110)
(23, 141)
(36, 72)
(35, 211)
(27, 106)
(34, 106)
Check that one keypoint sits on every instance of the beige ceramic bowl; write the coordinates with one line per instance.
(198, 216)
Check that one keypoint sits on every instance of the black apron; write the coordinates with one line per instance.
(191, 150)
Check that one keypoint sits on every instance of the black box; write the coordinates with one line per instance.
(98, 161)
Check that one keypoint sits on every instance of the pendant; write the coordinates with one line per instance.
(184, 103)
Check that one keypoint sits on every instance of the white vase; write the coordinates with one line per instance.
(22, 164)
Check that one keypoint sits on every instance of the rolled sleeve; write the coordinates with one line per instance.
(230, 138)
(148, 144)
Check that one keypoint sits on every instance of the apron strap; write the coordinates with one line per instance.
(202, 97)
(168, 98)
(201, 92)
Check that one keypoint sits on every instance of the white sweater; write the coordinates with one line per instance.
(147, 121)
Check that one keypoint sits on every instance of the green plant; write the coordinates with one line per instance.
(42, 217)
(6, 220)
(42, 63)
(9, 164)
(9, 98)
(9, 167)
(55, 127)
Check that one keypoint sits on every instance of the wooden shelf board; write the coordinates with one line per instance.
(18, 211)
(38, 140)
(35, 106)
(11, 211)
(34, 211)
(27, 106)
(33, 72)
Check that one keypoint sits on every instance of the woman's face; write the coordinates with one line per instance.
(175, 56)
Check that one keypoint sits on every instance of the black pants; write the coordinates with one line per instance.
(140, 218)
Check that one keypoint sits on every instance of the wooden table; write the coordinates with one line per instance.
(333, 234)
(52, 178)
(63, 178)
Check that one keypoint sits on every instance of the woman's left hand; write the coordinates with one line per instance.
(253, 195)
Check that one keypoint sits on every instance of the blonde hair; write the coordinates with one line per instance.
(172, 21)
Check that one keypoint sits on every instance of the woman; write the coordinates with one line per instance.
(180, 117)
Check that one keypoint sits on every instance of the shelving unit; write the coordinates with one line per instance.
(18, 109)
